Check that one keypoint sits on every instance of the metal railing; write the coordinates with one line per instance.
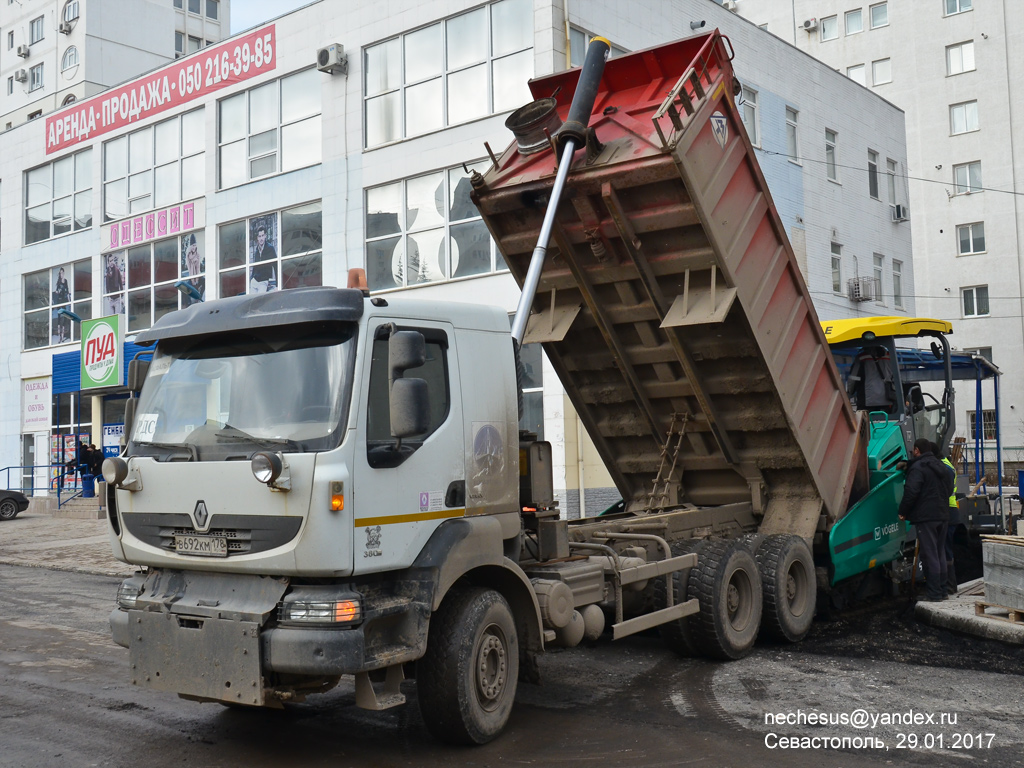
(65, 482)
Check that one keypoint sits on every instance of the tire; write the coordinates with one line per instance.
(8, 509)
(467, 679)
(727, 585)
(678, 635)
(789, 584)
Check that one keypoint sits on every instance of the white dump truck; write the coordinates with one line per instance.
(320, 483)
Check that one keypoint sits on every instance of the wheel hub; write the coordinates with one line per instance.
(491, 667)
(790, 587)
(732, 599)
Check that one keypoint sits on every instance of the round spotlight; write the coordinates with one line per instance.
(115, 470)
(267, 466)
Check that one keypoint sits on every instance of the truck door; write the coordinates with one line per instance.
(402, 493)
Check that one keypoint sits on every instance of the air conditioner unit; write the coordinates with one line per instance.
(861, 289)
(730, 5)
(810, 25)
(900, 212)
(21, 75)
(332, 59)
(65, 28)
(23, 51)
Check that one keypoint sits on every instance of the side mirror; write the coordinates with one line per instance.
(406, 349)
(129, 417)
(137, 370)
(410, 407)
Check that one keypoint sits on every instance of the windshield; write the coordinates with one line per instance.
(226, 398)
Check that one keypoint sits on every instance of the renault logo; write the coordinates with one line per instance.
(200, 514)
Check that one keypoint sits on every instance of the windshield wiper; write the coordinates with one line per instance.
(234, 433)
(192, 450)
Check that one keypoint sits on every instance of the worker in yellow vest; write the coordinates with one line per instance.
(954, 521)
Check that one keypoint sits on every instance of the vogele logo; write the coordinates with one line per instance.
(100, 354)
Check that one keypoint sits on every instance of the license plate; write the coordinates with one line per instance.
(202, 546)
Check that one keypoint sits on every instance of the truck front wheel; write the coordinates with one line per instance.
(467, 678)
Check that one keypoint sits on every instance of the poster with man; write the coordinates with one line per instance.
(193, 267)
(60, 297)
(113, 283)
(263, 253)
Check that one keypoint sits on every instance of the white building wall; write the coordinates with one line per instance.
(916, 39)
(811, 206)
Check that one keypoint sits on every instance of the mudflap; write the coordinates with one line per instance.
(197, 634)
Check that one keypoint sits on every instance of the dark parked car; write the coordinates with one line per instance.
(11, 503)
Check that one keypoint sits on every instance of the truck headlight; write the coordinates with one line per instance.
(312, 609)
(267, 466)
(128, 593)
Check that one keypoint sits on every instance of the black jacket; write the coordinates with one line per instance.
(926, 492)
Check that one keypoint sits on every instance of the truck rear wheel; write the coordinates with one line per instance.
(727, 585)
(789, 585)
(467, 678)
(678, 634)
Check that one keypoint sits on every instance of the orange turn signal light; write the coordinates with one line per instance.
(337, 502)
(346, 610)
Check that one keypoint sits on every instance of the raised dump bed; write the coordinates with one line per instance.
(671, 303)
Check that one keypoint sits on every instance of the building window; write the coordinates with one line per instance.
(154, 166)
(971, 238)
(748, 105)
(411, 239)
(857, 73)
(960, 58)
(58, 197)
(212, 9)
(270, 129)
(879, 15)
(273, 251)
(69, 99)
(988, 423)
(881, 71)
(35, 77)
(466, 67)
(829, 28)
(890, 178)
(957, 6)
(47, 292)
(578, 40)
(194, 44)
(10, 85)
(792, 145)
(10, 40)
(873, 174)
(139, 282)
(975, 301)
(179, 45)
(194, 6)
(854, 22)
(878, 263)
(967, 178)
(831, 166)
(71, 11)
(179, 4)
(70, 59)
(37, 114)
(963, 117)
(897, 283)
(837, 268)
(35, 30)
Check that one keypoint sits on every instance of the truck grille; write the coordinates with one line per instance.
(245, 534)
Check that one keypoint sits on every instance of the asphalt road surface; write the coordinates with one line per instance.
(65, 700)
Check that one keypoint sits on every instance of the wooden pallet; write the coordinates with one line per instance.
(1013, 615)
(1015, 540)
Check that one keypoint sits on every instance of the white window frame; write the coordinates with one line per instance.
(975, 231)
(793, 135)
(832, 155)
(78, 197)
(66, 62)
(964, 170)
(960, 58)
(837, 269)
(578, 48)
(871, 15)
(750, 115)
(35, 77)
(212, 4)
(858, 14)
(967, 111)
(858, 73)
(890, 171)
(878, 267)
(876, 78)
(873, 179)
(974, 291)
(962, 6)
(897, 283)
(81, 305)
(831, 22)
(70, 11)
(36, 30)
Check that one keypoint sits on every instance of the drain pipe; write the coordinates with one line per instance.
(570, 137)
